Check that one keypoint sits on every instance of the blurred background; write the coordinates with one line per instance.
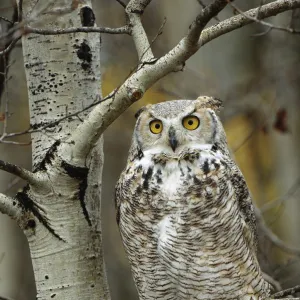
(255, 72)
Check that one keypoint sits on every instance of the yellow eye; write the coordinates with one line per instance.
(156, 126)
(191, 122)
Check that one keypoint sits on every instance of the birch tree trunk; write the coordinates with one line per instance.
(64, 230)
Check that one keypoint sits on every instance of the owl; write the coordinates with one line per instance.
(184, 210)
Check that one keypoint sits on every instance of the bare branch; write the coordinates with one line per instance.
(276, 285)
(6, 20)
(203, 6)
(10, 46)
(269, 25)
(265, 11)
(122, 3)
(287, 292)
(18, 171)
(10, 207)
(119, 30)
(134, 11)
(273, 238)
(209, 12)
(291, 191)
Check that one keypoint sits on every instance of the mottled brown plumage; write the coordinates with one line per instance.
(184, 210)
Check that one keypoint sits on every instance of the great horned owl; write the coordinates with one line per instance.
(184, 210)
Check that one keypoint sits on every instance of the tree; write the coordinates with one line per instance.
(59, 209)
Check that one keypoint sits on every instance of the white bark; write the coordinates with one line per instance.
(63, 223)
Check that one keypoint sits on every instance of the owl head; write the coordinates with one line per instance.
(177, 126)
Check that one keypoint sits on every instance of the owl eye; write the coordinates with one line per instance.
(191, 122)
(156, 126)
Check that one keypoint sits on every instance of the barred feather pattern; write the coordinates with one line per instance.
(188, 226)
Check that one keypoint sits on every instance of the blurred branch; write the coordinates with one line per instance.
(6, 20)
(257, 20)
(272, 237)
(233, 23)
(276, 285)
(287, 292)
(291, 191)
(18, 171)
(8, 48)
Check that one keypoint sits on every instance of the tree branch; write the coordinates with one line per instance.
(134, 11)
(273, 238)
(121, 3)
(10, 207)
(204, 5)
(10, 46)
(20, 172)
(120, 30)
(269, 25)
(287, 292)
(265, 11)
(276, 202)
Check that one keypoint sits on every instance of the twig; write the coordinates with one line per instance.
(10, 46)
(159, 32)
(38, 128)
(6, 20)
(120, 30)
(287, 292)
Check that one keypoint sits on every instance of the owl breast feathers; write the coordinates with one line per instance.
(184, 210)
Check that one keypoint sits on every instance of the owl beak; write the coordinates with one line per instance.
(172, 139)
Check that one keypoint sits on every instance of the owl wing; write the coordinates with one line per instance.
(245, 201)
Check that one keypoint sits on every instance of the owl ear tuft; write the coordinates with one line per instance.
(138, 113)
(142, 109)
(209, 102)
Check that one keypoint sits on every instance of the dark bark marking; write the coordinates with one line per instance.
(84, 54)
(80, 173)
(29, 205)
(48, 157)
(87, 17)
